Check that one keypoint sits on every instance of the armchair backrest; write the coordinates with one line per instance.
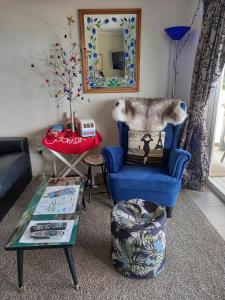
(171, 139)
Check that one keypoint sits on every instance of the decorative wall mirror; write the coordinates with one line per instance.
(110, 41)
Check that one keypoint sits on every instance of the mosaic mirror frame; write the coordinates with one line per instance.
(128, 21)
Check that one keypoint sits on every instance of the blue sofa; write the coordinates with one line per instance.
(157, 184)
(15, 171)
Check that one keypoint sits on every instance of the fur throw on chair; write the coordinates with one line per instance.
(149, 114)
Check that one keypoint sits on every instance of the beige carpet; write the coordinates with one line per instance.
(195, 264)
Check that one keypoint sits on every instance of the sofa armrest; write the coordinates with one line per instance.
(114, 158)
(178, 158)
(13, 144)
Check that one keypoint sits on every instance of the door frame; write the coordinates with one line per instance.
(212, 110)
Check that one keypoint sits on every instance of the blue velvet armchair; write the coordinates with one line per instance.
(157, 184)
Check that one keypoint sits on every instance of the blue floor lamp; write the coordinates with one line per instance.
(176, 34)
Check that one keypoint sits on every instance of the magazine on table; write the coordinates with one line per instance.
(58, 200)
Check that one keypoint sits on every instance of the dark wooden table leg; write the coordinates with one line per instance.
(90, 186)
(83, 199)
(20, 268)
(70, 261)
(84, 204)
(169, 212)
(85, 186)
(105, 181)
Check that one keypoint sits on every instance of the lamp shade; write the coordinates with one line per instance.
(178, 32)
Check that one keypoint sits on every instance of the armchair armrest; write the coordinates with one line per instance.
(13, 144)
(178, 158)
(114, 158)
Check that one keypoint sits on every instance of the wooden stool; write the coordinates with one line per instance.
(95, 161)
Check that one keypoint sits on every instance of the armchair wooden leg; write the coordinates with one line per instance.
(169, 212)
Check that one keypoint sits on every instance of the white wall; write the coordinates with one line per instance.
(187, 57)
(28, 26)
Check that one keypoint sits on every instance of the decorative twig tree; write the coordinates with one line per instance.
(64, 68)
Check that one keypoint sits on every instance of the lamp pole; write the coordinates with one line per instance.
(174, 82)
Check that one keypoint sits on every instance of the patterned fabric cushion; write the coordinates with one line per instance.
(138, 238)
(145, 147)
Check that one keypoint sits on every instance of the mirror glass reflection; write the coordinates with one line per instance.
(111, 53)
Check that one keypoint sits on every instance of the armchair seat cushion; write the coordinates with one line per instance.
(11, 167)
(138, 181)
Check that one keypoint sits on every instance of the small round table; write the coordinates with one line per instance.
(95, 161)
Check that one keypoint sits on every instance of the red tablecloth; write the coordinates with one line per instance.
(69, 142)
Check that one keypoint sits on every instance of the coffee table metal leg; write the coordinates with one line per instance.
(20, 268)
(70, 261)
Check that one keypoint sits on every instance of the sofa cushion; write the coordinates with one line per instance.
(11, 167)
(139, 177)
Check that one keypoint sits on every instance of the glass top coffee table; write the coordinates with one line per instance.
(19, 241)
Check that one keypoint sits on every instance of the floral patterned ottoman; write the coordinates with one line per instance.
(138, 238)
